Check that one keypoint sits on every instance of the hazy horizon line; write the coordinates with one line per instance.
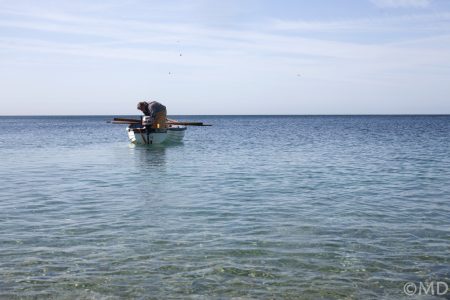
(239, 115)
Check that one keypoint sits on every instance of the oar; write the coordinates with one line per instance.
(127, 120)
(123, 122)
(169, 122)
(187, 123)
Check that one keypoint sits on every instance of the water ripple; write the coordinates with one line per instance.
(327, 208)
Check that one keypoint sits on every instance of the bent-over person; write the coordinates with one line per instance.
(156, 111)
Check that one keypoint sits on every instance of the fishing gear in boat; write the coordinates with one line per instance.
(154, 127)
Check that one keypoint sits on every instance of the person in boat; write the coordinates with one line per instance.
(156, 111)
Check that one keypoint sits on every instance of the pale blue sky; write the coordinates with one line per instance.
(225, 57)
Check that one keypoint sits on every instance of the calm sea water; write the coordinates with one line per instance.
(316, 207)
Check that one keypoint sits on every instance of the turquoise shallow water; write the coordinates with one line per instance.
(253, 207)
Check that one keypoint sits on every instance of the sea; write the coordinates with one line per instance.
(252, 207)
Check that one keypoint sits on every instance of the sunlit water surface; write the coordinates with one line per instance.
(253, 207)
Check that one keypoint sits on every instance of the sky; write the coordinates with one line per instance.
(93, 57)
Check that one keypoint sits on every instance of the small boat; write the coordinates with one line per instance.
(147, 136)
(140, 133)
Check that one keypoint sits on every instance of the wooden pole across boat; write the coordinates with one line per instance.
(169, 122)
(129, 121)
(187, 123)
(123, 122)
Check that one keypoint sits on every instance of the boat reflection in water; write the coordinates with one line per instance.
(149, 159)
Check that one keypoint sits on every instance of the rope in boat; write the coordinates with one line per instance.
(143, 138)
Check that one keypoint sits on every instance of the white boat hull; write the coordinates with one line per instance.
(173, 134)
